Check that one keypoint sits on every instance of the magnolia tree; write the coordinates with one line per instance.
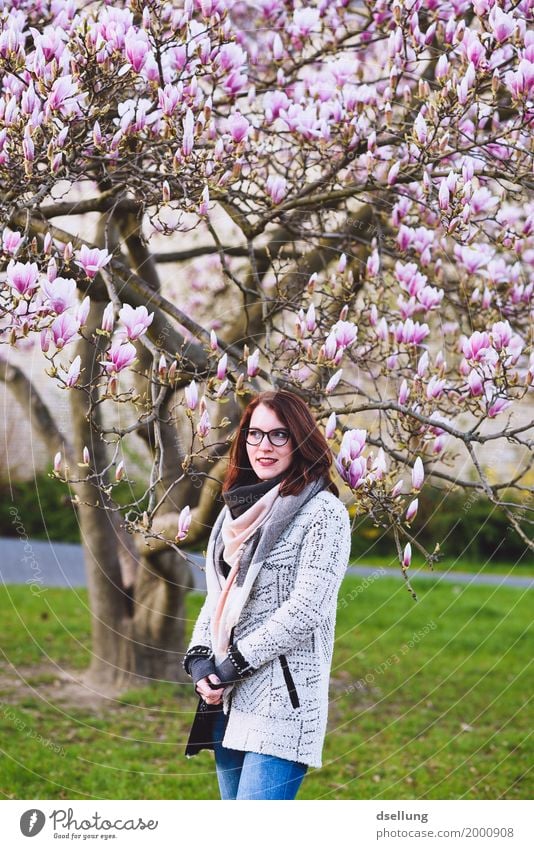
(354, 178)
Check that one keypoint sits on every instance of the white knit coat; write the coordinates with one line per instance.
(291, 611)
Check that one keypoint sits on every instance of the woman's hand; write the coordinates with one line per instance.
(210, 696)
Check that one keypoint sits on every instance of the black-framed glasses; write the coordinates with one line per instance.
(277, 437)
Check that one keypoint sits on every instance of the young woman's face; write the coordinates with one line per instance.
(268, 460)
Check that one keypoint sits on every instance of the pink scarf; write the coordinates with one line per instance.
(231, 599)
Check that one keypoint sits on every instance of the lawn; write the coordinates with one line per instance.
(428, 700)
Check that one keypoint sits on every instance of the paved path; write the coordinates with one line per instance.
(60, 564)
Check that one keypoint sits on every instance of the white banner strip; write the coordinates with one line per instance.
(314, 825)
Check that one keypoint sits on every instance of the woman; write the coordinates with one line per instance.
(261, 649)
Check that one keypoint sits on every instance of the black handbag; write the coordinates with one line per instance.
(201, 734)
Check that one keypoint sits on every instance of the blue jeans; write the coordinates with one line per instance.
(249, 775)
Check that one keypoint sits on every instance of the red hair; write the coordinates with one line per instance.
(311, 458)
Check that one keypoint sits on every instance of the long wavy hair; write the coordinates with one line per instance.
(311, 458)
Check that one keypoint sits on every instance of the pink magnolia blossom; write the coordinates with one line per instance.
(503, 25)
(82, 312)
(352, 444)
(136, 321)
(11, 241)
(429, 297)
(188, 133)
(214, 342)
(421, 129)
(333, 382)
(252, 364)
(403, 393)
(475, 383)
(119, 357)
(136, 48)
(380, 465)
(238, 127)
(422, 365)
(57, 461)
(412, 510)
(345, 332)
(410, 332)
(184, 523)
(63, 329)
(119, 471)
(498, 406)
(352, 471)
(74, 372)
(501, 334)
(91, 260)
(435, 387)
(191, 395)
(305, 21)
(108, 318)
(382, 330)
(204, 206)
(63, 89)
(397, 489)
(23, 277)
(44, 338)
(311, 322)
(514, 349)
(169, 99)
(330, 428)
(407, 555)
(234, 82)
(474, 347)
(230, 57)
(442, 67)
(221, 367)
(472, 259)
(342, 264)
(444, 195)
(472, 48)
(418, 474)
(439, 443)
(330, 346)
(222, 389)
(393, 173)
(61, 293)
(373, 264)
(204, 425)
(276, 186)
(520, 82)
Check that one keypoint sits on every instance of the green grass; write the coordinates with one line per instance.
(523, 568)
(439, 716)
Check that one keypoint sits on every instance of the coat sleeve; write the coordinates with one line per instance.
(322, 563)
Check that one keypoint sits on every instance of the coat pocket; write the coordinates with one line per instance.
(290, 684)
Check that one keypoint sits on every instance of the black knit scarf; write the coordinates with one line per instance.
(241, 497)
